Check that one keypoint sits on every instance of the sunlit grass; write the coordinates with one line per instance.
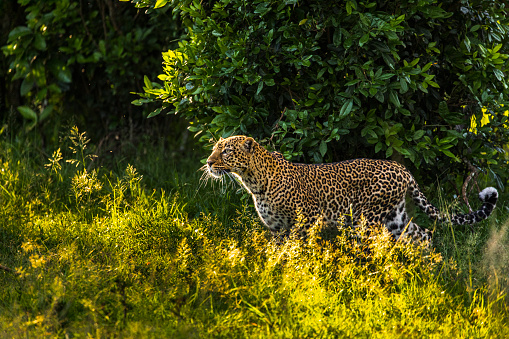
(102, 254)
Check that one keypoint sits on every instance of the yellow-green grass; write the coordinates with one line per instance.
(98, 254)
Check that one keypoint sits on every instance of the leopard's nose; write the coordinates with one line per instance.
(210, 163)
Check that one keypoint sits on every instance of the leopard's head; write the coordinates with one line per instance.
(231, 155)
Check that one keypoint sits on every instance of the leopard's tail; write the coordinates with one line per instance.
(488, 197)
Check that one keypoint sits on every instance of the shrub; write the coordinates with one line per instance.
(327, 80)
(82, 58)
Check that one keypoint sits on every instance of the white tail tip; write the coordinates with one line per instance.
(487, 193)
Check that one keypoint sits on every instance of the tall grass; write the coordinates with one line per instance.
(94, 253)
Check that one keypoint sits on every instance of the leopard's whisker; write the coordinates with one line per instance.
(204, 178)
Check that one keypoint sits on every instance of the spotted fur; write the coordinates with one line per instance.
(375, 189)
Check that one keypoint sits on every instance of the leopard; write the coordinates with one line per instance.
(373, 190)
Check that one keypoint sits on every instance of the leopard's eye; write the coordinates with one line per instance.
(226, 151)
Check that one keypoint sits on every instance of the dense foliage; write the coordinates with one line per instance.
(328, 80)
(79, 61)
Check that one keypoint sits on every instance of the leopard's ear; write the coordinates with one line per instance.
(249, 144)
(215, 142)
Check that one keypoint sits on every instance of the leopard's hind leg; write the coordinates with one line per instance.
(398, 223)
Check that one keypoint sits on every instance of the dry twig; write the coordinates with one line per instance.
(474, 172)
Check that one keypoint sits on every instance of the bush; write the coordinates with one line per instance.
(82, 58)
(327, 80)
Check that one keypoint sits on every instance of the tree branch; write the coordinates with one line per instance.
(474, 172)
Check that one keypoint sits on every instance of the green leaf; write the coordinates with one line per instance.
(160, 3)
(426, 67)
(262, 8)
(219, 119)
(64, 74)
(432, 83)
(393, 97)
(392, 35)
(364, 39)
(102, 47)
(386, 76)
(403, 84)
(155, 112)
(414, 62)
(389, 151)
(45, 113)
(39, 42)
(467, 44)
(352, 82)
(449, 154)
(346, 108)
(27, 113)
(447, 140)
(269, 82)
(147, 82)
(323, 148)
(19, 32)
(475, 28)
(337, 37)
(418, 134)
(443, 109)
(26, 86)
(349, 7)
(435, 12)
(260, 87)
(499, 74)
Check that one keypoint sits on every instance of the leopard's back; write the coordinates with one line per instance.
(360, 186)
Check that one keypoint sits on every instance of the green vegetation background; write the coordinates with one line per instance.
(107, 231)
